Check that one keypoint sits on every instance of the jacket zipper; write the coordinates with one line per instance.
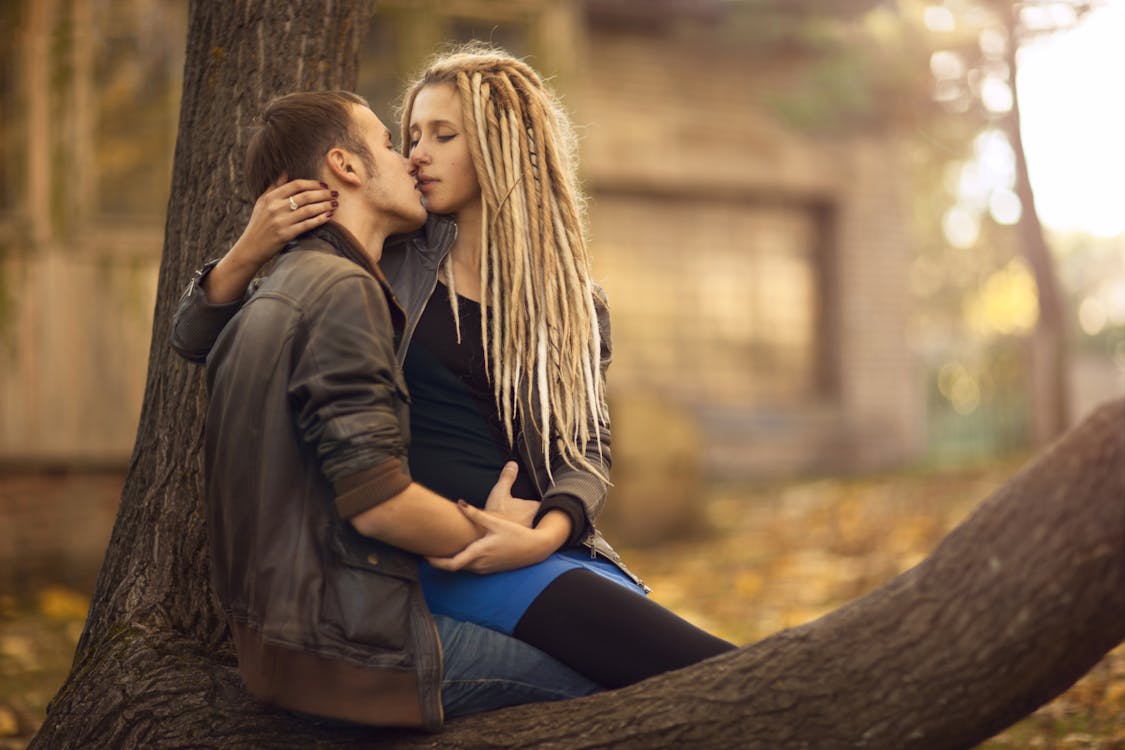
(412, 320)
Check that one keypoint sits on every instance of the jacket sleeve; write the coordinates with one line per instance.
(197, 322)
(347, 396)
(570, 482)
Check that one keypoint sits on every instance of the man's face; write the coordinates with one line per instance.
(389, 186)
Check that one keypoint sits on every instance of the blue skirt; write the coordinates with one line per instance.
(498, 600)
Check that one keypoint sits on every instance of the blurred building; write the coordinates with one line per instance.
(756, 275)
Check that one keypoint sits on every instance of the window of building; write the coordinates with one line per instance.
(713, 302)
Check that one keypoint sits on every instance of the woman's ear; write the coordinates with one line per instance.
(341, 163)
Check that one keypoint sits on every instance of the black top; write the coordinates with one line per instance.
(458, 444)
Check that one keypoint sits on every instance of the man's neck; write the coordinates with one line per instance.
(346, 244)
(365, 231)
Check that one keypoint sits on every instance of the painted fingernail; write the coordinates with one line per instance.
(335, 204)
(324, 185)
(329, 214)
(334, 193)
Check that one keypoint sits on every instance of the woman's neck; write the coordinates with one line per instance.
(464, 256)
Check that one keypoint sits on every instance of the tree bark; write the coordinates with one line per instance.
(1012, 607)
(153, 582)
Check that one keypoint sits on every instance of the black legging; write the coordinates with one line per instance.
(610, 634)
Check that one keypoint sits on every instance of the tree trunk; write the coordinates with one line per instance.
(1013, 607)
(1048, 372)
(153, 586)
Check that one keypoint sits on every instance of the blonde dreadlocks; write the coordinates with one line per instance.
(534, 270)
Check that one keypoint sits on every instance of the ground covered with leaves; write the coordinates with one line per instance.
(771, 557)
(777, 556)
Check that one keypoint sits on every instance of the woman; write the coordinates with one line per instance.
(504, 350)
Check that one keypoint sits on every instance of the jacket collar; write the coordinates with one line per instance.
(440, 232)
(342, 242)
(431, 242)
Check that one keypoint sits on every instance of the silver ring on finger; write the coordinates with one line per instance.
(293, 204)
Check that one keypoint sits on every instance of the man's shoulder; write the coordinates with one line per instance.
(315, 256)
(308, 271)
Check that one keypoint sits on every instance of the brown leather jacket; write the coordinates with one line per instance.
(308, 426)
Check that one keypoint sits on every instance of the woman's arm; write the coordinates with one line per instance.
(574, 490)
(272, 224)
(218, 289)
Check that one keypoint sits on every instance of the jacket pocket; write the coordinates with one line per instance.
(368, 594)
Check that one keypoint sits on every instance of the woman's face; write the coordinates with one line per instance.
(439, 152)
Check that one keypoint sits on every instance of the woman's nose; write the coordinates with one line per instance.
(418, 155)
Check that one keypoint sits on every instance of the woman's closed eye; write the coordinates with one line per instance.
(413, 142)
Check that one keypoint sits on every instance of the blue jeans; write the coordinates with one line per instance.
(486, 670)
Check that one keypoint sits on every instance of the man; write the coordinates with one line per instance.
(315, 524)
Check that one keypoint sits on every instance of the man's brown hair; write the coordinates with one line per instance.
(295, 131)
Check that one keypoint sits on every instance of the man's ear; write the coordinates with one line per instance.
(342, 164)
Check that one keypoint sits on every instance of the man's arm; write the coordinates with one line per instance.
(419, 521)
(507, 545)
(497, 538)
(510, 541)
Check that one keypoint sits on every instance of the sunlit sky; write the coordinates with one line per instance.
(1072, 96)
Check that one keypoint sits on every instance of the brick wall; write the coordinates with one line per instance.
(674, 128)
(56, 526)
(74, 346)
(881, 384)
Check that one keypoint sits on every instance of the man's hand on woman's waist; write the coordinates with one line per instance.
(509, 540)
